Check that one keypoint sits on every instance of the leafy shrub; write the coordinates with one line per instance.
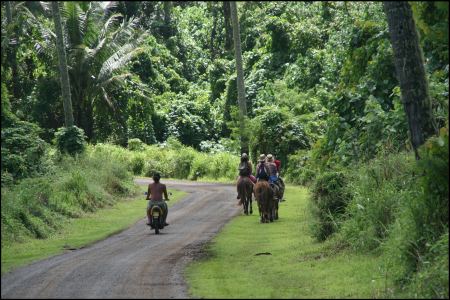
(431, 282)
(23, 150)
(135, 144)
(70, 140)
(199, 167)
(424, 214)
(299, 169)
(37, 207)
(7, 178)
(276, 131)
(182, 162)
(329, 200)
(137, 164)
(378, 188)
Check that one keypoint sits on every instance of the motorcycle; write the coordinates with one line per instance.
(156, 219)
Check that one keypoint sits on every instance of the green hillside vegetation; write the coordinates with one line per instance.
(154, 88)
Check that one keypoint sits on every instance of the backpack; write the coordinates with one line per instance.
(262, 172)
(244, 169)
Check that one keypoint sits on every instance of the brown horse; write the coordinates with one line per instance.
(264, 196)
(245, 191)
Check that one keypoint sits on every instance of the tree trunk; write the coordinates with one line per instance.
(11, 50)
(64, 75)
(410, 71)
(228, 27)
(240, 77)
(168, 18)
(213, 31)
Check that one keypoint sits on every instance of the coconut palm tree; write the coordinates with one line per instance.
(64, 75)
(99, 45)
(240, 77)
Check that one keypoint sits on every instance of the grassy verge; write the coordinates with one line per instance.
(297, 267)
(80, 232)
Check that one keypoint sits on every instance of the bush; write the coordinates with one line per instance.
(424, 214)
(329, 200)
(70, 140)
(137, 164)
(23, 151)
(37, 207)
(300, 170)
(377, 188)
(135, 145)
(431, 282)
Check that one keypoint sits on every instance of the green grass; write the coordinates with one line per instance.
(298, 267)
(80, 232)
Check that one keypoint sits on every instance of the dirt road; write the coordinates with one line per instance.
(135, 263)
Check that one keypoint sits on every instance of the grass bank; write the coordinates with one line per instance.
(281, 260)
(80, 232)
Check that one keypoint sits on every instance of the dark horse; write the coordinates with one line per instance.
(245, 191)
(264, 196)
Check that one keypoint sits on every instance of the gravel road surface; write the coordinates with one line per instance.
(135, 263)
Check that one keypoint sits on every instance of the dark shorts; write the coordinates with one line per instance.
(161, 203)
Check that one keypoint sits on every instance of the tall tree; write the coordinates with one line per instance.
(410, 71)
(228, 27)
(12, 49)
(168, 18)
(240, 77)
(64, 74)
(99, 45)
(213, 9)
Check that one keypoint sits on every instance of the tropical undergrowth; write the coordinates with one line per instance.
(38, 206)
(172, 160)
(393, 206)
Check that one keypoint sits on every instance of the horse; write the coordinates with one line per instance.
(264, 196)
(245, 191)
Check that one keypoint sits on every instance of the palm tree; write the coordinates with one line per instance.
(10, 40)
(240, 77)
(99, 44)
(64, 75)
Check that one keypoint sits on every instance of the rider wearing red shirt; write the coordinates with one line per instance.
(278, 163)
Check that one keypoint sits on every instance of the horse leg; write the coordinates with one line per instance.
(270, 210)
(275, 209)
(246, 206)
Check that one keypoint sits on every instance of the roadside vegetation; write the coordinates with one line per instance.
(281, 260)
(75, 233)
(153, 87)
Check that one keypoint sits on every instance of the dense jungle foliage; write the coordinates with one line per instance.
(159, 78)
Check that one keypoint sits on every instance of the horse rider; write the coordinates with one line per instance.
(273, 173)
(280, 180)
(245, 170)
(262, 171)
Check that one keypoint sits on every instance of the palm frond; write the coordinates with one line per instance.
(74, 17)
(116, 80)
(46, 45)
(126, 29)
(109, 23)
(108, 5)
(88, 25)
(117, 61)
(45, 6)
(106, 98)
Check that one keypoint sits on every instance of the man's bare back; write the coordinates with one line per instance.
(156, 191)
